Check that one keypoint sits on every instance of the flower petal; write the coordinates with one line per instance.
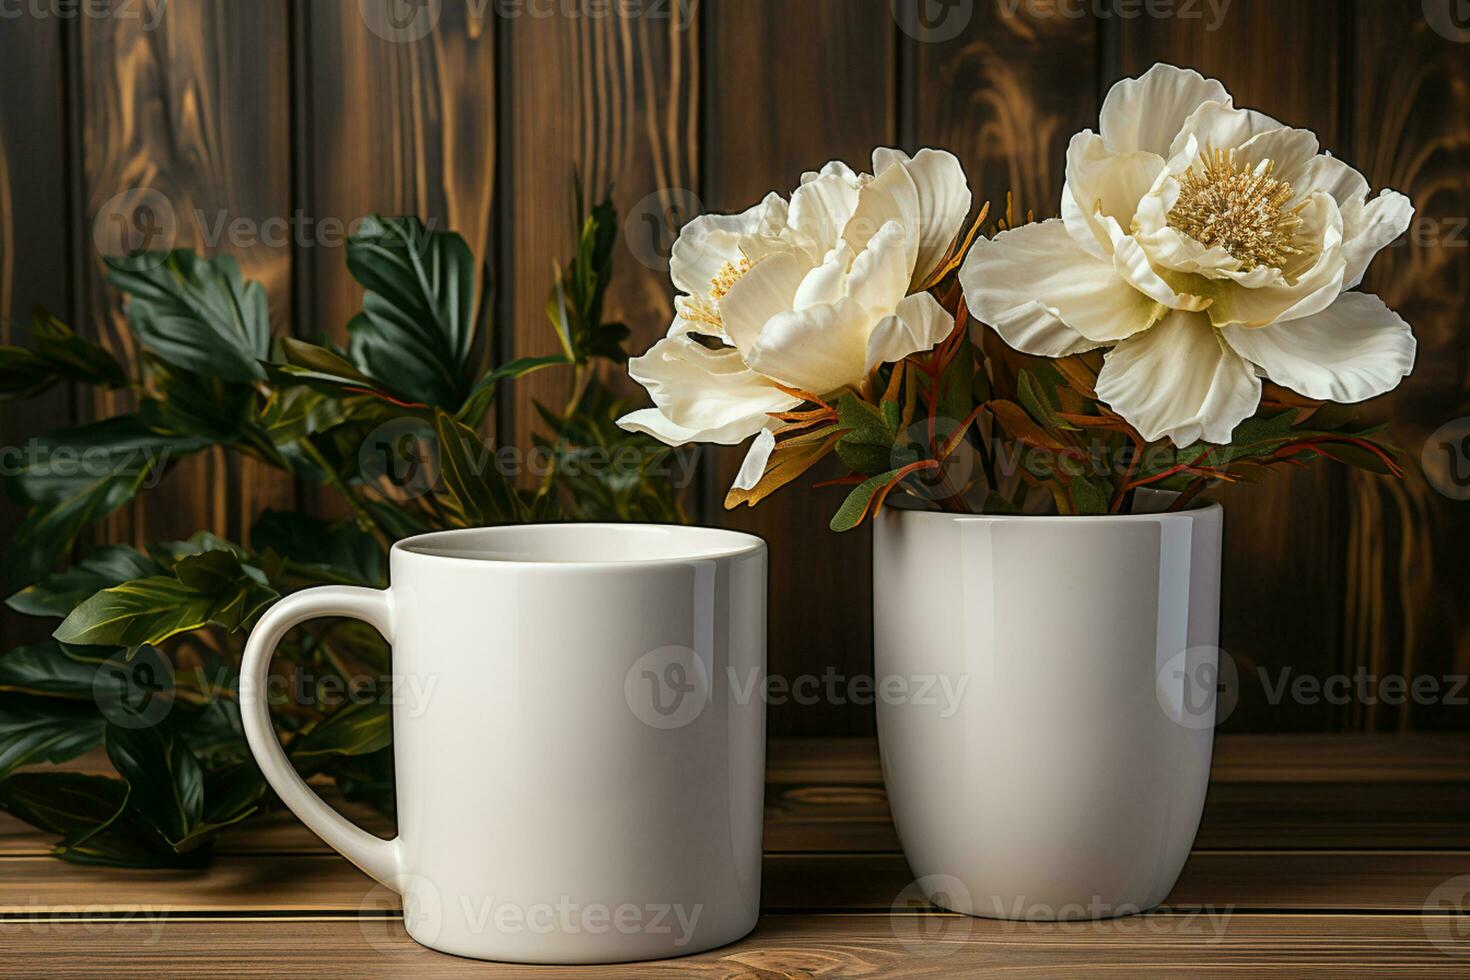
(1045, 295)
(1355, 349)
(880, 275)
(1327, 173)
(820, 209)
(1290, 151)
(767, 289)
(819, 349)
(1221, 126)
(890, 196)
(652, 422)
(1102, 182)
(710, 393)
(1384, 219)
(1309, 290)
(944, 203)
(1146, 113)
(754, 466)
(1178, 380)
(920, 323)
(706, 243)
(826, 282)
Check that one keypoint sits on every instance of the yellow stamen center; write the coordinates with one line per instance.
(701, 310)
(1242, 209)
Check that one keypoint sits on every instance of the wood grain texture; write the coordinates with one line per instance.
(826, 795)
(1244, 880)
(34, 236)
(1282, 579)
(1406, 573)
(188, 101)
(794, 86)
(400, 121)
(611, 98)
(1301, 909)
(1294, 946)
(1006, 94)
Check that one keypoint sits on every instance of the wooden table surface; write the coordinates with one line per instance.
(1321, 856)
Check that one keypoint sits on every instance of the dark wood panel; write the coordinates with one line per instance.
(34, 241)
(1406, 570)
(1328, 947)
(399, 119)
(792, 87)
(1006, 94)
(1283, 578)
(612, 100)
(186, 113)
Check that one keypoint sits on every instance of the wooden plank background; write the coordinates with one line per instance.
(477, 116)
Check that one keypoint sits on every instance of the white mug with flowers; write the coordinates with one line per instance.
(1051, 397)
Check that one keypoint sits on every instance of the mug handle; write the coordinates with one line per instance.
(378, 857)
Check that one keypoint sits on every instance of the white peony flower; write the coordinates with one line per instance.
(807, 297)
(1209, 246)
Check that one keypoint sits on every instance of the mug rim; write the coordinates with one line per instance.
(738, 544)
(1188, 514)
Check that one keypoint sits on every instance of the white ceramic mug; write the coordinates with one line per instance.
(1063, 773)
(583, 782)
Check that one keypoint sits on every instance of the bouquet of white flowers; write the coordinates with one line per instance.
(1188, 318)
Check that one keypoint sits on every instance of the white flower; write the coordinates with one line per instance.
(809, 296)
(1208, 246)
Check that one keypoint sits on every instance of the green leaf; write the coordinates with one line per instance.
(956, 387)
(91, 813)
(418, 324)
(48, 670)
(195, 312)
(34, 730)
(76, 477)
(1089, 496)
(339, 552)
(472, 412)
(220, 411)
(101, 568)
(575, 304)
(356, 729)
(63, 802)
(367, 779)
(867, 447)
(472, 491)
(212, 588)
(55, 354)
(996, 504)
(850, 514)
(1036, 404)
(165, 782)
